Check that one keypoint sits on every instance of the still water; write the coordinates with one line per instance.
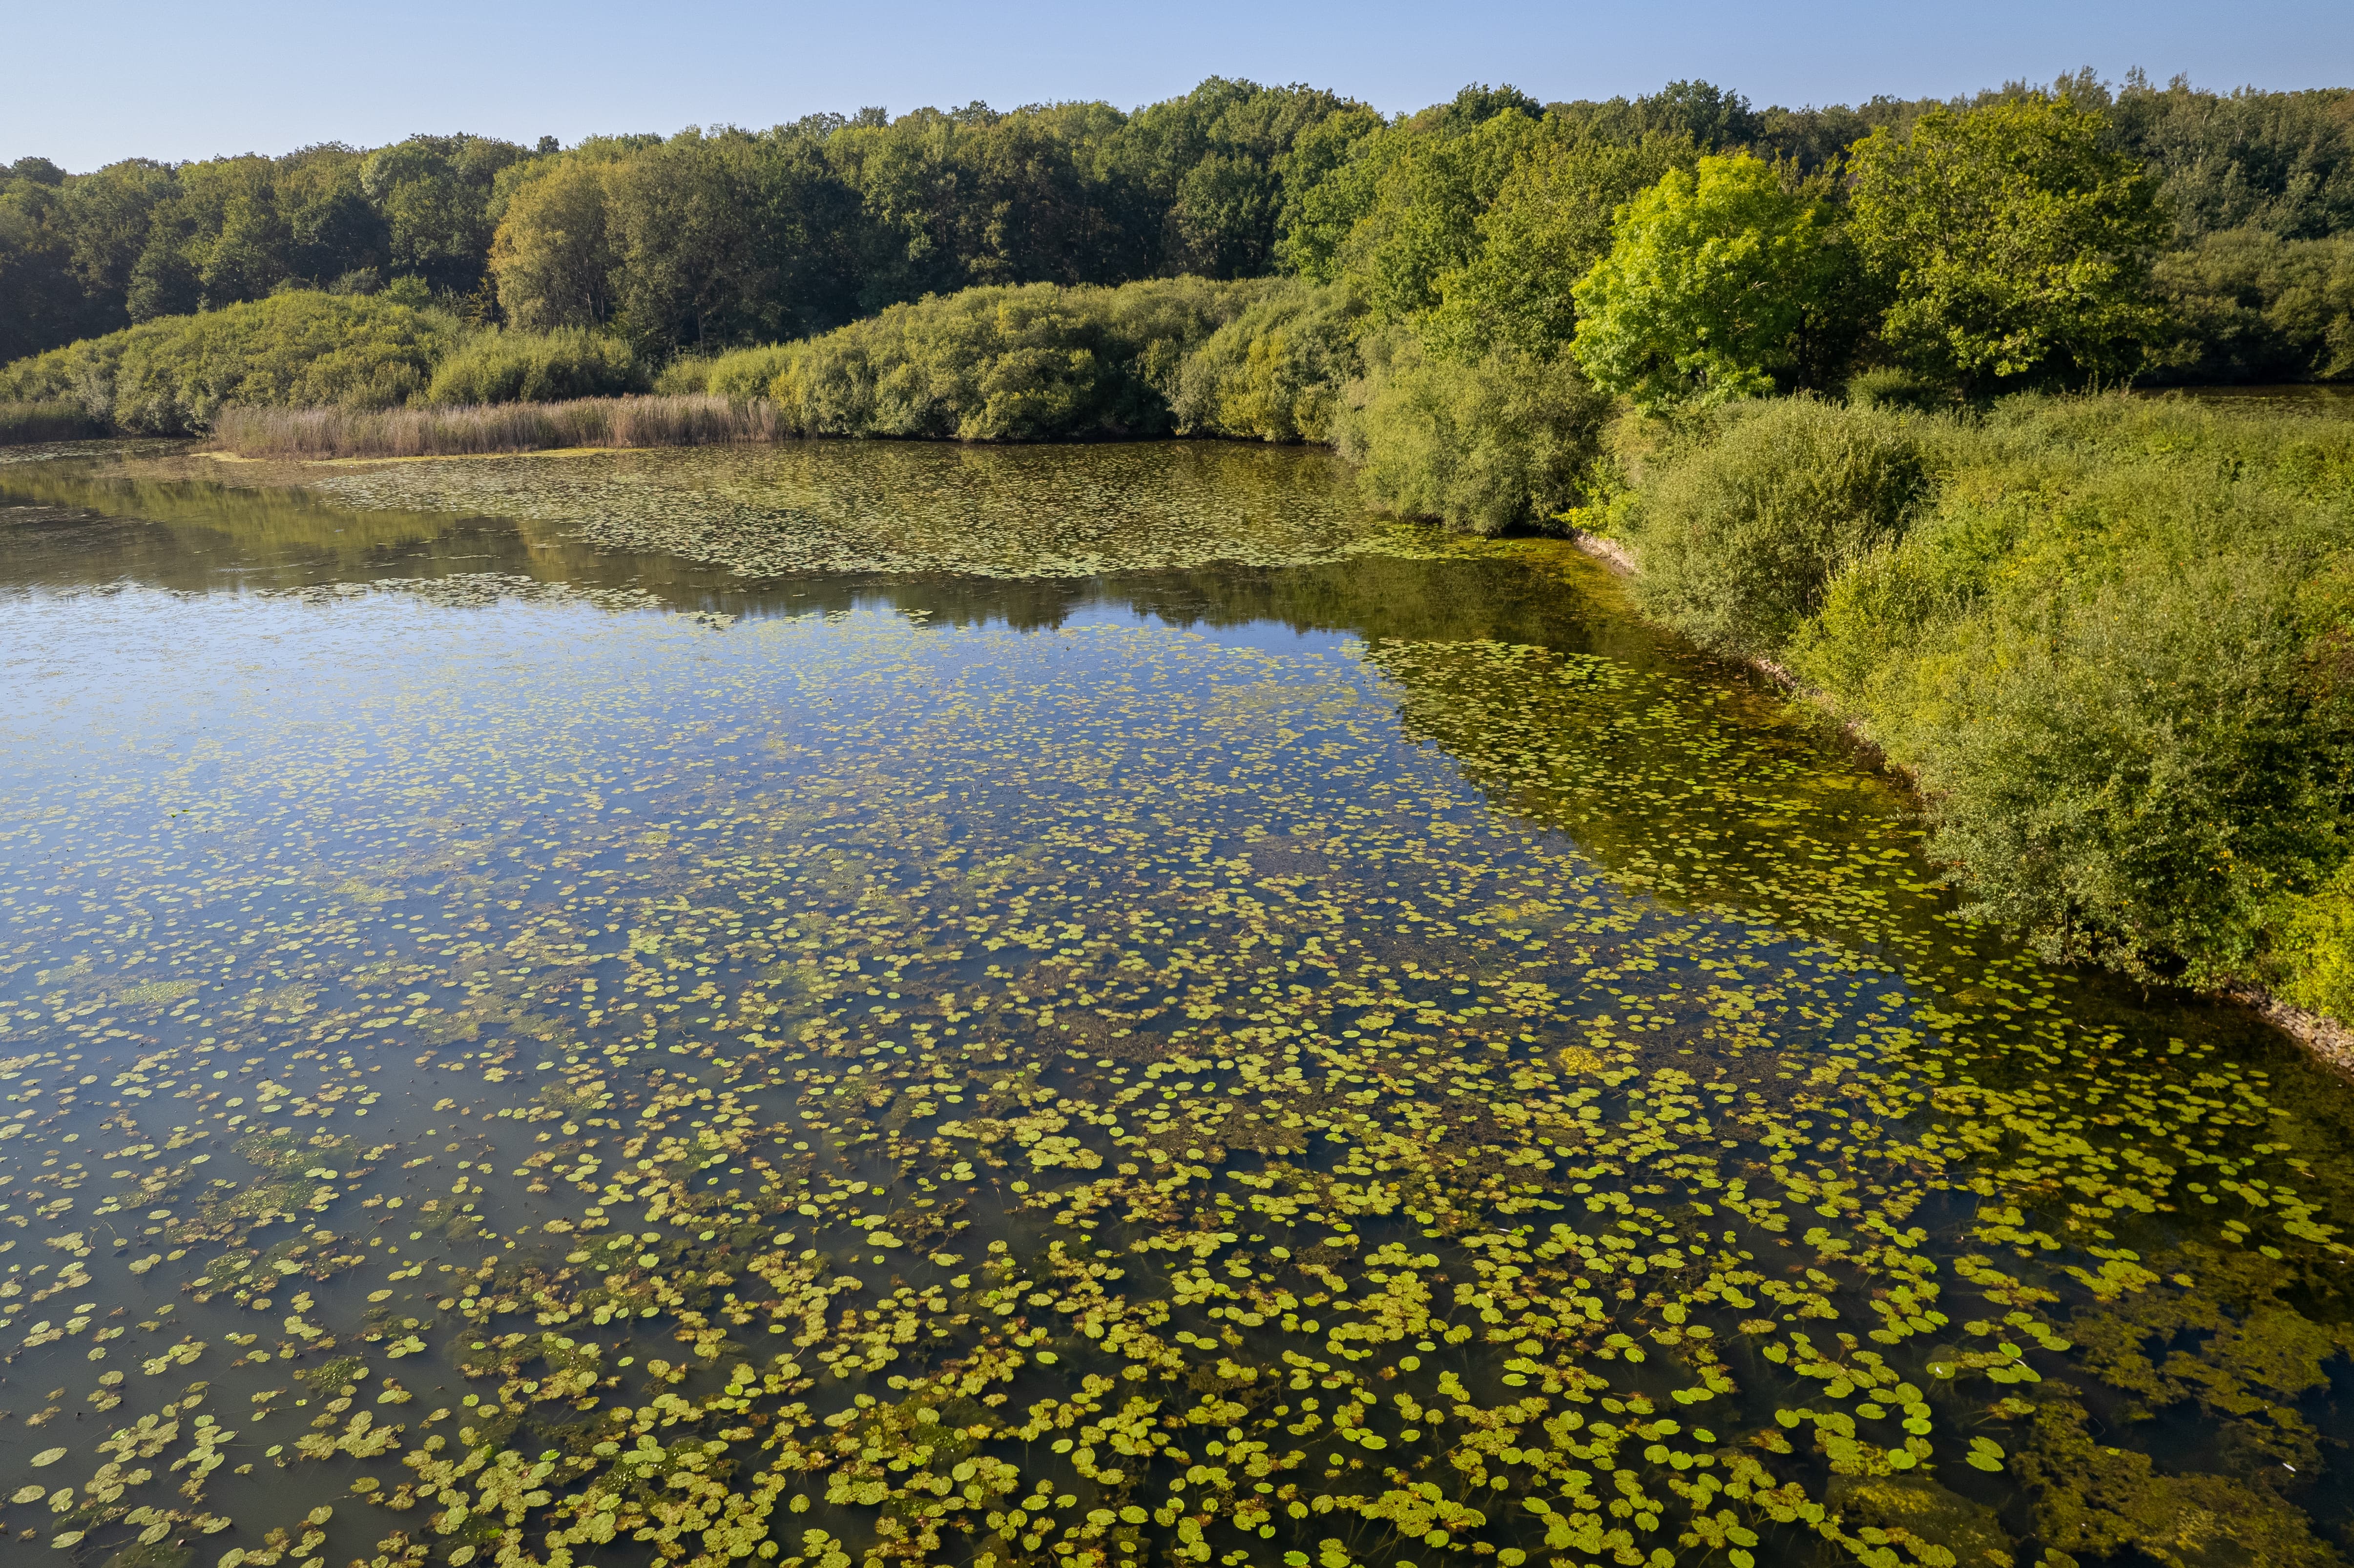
(859, 1004)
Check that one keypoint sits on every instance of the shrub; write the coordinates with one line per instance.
(1496, 443)
(741, 373)
(171, 375)
(1889, 387)
(519, 367)
(1032, 363)
(2313, 962)
(1275, 372)
(2112, 650)
(1739, 539)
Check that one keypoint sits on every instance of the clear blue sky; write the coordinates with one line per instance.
(88, 84)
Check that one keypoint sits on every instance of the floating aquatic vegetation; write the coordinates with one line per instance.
(903, 507)
(542, 1085)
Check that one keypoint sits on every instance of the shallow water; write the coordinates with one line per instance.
(890, 1003)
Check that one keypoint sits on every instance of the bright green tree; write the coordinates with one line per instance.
(2016, 245)
(1546, 229)
(1714, 277)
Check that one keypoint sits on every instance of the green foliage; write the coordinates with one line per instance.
(2251, 306)
(553, 257)
(2312, 961)
(2111, 648)
(1496, 443)
(1889, 387)
(518, 366)
(742, 373)
(1714, 276)
(1275, 372)
(1329, 180)
(21, 423)
(2015, 242)
(2283, 161)
(1219, 163)
(1548, 226)
(169, 377)
(1423, 220)
(1034, 363)
(1741, 535)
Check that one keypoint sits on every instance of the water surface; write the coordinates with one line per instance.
(874, 1003)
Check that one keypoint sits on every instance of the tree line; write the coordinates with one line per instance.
(712, 239)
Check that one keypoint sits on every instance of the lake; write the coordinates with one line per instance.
(868, 1003)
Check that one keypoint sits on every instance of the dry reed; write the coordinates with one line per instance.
(22, 424)
(658, 422)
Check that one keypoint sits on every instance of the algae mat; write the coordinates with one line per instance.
(522, 1053)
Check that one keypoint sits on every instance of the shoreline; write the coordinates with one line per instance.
(2326, 1039)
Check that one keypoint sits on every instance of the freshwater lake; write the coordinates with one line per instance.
(859, 1003)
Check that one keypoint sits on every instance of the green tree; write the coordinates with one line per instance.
(1204, 178)
(40, 301)
(434, 194)
(2015, 244)
(552, 257)
(1548, 226)
(1424, 220)
(1715, 277)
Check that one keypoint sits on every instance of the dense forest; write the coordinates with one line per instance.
(718, 238)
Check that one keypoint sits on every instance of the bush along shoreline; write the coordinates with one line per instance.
(2105, 637)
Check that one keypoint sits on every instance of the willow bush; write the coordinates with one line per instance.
(171, 375)
(2110, 637)
(1740, 538)
(1276, 371)
(1484, 445)
(519, 367)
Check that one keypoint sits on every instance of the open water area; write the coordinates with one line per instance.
(859, 1004)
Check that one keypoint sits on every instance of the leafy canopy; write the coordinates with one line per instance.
(2015, 241)
(1712, 276)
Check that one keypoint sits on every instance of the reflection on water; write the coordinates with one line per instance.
(525, 1052)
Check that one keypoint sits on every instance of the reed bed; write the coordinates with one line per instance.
(488, 428)
(21, 424)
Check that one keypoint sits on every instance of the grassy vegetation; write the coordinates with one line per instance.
(2108, 635)
(23, 423)
(654, 421)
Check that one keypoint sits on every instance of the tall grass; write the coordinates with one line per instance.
(482, 428)
(21, 424)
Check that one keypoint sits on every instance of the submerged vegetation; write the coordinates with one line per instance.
(839, 1090)
(2108, 640)
(1432, 1070)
